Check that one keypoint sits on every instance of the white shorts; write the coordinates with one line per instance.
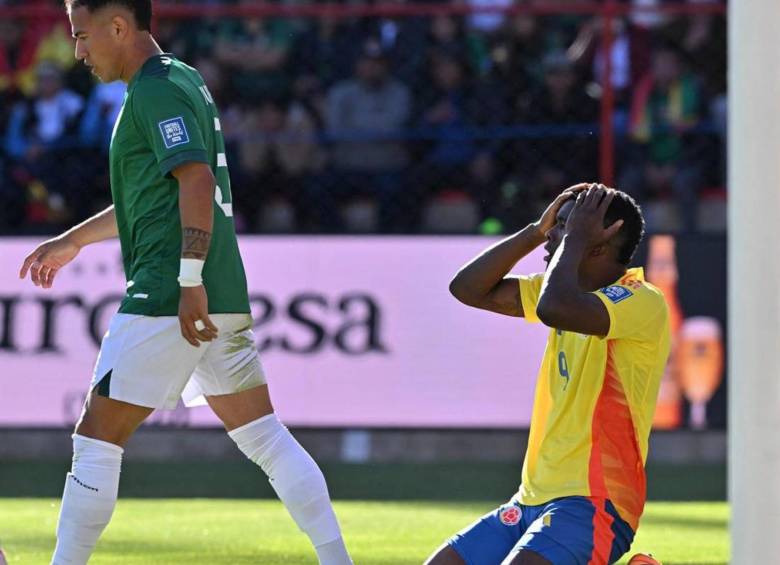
(144, 360)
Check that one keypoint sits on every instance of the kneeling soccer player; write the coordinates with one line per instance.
(186, 316)
(583, 480)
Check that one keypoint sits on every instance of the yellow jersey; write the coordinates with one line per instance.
(595, 398)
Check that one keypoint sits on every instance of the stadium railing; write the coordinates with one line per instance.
(515, 145)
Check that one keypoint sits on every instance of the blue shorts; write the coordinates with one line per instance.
(566, 531)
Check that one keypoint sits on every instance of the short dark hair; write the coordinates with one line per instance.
(625, 208)
(141, 9)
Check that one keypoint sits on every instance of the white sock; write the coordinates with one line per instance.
(88, 500)
(298, 482)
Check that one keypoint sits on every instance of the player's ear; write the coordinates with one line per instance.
(119, 27)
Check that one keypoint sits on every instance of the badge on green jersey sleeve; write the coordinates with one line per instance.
(174, 132)
(172, 121)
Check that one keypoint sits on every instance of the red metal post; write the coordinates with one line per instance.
(340, 10)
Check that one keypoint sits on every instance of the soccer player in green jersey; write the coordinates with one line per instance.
(185, 320)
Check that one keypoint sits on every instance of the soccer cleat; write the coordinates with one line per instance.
(643, 559)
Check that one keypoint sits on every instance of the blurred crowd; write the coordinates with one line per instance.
(442, 124)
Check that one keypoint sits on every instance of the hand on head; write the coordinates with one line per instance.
(549, 216)
(586, 220)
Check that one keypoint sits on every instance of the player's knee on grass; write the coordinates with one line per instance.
(572, 530)
(560, 532)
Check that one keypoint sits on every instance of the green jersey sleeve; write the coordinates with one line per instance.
(165, 115)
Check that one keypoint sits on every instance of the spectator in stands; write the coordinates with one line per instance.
(278, 151)
(646, 18)
(664, 154)
(460, 88)
(42, 132)
(516, 52)
(454, 115)
(324, 54)
(101, 113)
(558, 158)
(486, 23)
(16, 51)
(46, 120)
(589, 50)
(365, 117)
(403, 39)
(24, 44)
(447, 114)
(255, 50)
(11, 49)
(702, 38)
(96, 129)
(448, 34)
(485, 187)
(449, 106)
(188, 39)
(231, 112)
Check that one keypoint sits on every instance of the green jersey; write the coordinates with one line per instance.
(169, 118)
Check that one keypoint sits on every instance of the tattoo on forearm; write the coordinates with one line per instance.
(195, 243)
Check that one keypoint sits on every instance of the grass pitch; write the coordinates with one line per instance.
(229, 531)
(222, 512)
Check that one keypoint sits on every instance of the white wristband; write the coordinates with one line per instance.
(190, 272)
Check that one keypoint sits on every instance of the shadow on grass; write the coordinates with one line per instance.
(28, 542)
(188, 553)
(169, 551)
(694, 522)
(467, 481)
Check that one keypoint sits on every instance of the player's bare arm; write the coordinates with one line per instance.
(483, 282)
(196, 196)
(563, 303)
(49, 257)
